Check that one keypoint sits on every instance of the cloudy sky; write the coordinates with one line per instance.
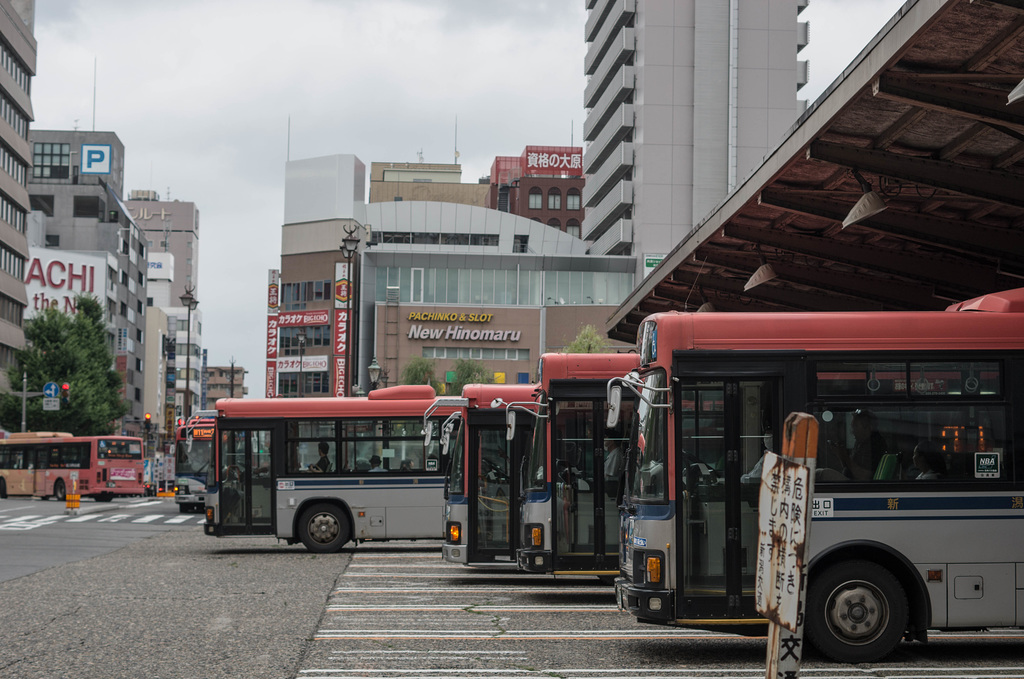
(201, 92)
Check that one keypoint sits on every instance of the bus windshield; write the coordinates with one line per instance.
(192, 457)
(648, 477)
(535, 466)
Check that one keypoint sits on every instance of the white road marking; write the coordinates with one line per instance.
(83, 518)
(148, 518)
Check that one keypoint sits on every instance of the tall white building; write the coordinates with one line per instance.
(684, 99)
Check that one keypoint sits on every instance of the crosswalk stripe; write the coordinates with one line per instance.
(84, 518)
(147, 518)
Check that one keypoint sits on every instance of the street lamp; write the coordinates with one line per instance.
(302, 353)
(374, 370)
(349, 248)
(189, 301)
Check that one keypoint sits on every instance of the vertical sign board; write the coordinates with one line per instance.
(273, 307)
(784, 523)
(342, 296)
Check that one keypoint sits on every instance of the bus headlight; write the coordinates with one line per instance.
(653, 572)
(454, 532)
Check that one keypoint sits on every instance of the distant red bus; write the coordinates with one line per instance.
(325, 471)
(44, 464)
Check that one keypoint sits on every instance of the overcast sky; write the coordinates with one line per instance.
(200, 92)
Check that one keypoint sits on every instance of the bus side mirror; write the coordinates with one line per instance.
(510, 425)
(614, 406)
(428, 432)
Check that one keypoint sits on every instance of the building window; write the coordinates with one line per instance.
(88, 206)
(51, 161)
(553, 222)
(52, 240)
(554, 199)
(572, 199)
(572, 227)
(536, 196)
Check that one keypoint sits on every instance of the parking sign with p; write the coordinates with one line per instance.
(96, 158)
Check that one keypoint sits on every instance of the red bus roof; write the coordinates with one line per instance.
(405, 400)
(586, 366)
(482, 395)
(996, 322)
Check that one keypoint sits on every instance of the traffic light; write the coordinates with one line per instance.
(65, 393)
(149, 422)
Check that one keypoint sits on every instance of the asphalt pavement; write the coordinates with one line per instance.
(178, 605)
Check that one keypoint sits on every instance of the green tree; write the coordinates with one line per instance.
(70, 349)
(468, 371)
(588, 341)
(419, 370)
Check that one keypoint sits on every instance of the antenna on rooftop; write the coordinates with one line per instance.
(456, 140)
(419, 154)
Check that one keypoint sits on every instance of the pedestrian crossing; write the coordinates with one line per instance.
(31, 521)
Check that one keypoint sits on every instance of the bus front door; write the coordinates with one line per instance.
(584, 488)
(493, 491)
(725, 427)
(246, 489)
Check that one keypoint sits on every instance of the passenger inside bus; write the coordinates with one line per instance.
(375, 464)
(323, 464)
(859, 463)
(929, 461)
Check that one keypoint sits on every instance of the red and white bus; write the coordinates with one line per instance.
(325, 471)
(482, 484)
(570, 516)
(193, 458)
(918, 512)
(53, 464)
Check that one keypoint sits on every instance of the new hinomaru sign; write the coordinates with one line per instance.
(459, 333)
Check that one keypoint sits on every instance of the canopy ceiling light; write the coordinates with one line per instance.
(764, 273)
(870, 203)
(706, 306)
(1016, 94)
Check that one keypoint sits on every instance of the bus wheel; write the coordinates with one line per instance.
(323, 528)
(856, 612)
(3, 489)
(58, 491)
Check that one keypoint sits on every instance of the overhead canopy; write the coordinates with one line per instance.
(922, 119)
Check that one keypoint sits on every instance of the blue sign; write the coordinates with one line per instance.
(96, 158)
(51, 390)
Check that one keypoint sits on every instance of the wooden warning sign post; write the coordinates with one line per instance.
(784, 521)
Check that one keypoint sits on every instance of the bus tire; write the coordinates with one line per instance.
(59, 492)
(3, 488)
(324, 528)
(856, 612)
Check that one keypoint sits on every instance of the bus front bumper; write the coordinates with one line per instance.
(534, 560)
(454, 553)
(649, 605)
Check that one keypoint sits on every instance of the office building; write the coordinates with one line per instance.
(85, 241)
(171, 230)
(18, 57)
(684, 98)
(442, 281)
(544, 184)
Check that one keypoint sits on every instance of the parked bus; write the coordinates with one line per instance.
(193, 453)
(918, 516)
(482, 483)
(324, 471)
(569, 515)
(52, 464)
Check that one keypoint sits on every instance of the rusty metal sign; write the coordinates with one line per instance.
(784, 522)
